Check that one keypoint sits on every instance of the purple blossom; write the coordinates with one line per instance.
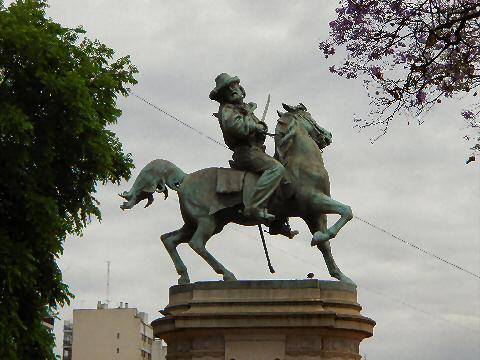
(395, 35)
(396, 6)
(467, 114)
(443, 86)
(421, 96)
(376, 72)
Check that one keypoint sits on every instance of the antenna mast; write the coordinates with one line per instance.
(108, 282)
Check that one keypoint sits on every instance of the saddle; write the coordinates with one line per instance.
(229, 180)
(233, 180)
(234, 186)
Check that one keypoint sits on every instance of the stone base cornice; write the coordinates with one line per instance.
(286, 319)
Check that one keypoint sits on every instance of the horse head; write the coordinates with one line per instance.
(298, 115)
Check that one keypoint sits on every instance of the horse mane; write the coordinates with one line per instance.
(299, 107)
(283, 139)
(291, 109)
(297, 112)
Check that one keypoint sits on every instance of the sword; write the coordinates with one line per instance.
(265, 114)
(266, 109)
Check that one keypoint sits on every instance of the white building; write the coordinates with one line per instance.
(119, 333)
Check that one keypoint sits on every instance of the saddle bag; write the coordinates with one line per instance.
(229, 181)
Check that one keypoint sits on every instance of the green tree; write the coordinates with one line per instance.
(58, 92)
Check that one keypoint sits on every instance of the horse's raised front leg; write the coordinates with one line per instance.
(319, 223)
(171, 240)
(205, 230)
(324, 204)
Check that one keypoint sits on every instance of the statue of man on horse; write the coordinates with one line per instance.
(245, 135)
(252, 191)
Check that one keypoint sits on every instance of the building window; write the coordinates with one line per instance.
(149, 356)
(118, 335)
(118, 350)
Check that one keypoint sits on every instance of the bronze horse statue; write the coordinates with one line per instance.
(211, 198)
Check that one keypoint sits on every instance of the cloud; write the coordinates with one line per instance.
(413, 181)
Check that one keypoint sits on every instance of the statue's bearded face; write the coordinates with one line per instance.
(234, 93)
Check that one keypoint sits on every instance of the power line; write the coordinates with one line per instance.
(417, 247)
(368, 289)
(358, 218)
(179, 121)
(416, 308)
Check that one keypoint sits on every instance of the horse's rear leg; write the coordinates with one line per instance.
(324, 204)
(171, 240)
(319, 223)
(205, 229)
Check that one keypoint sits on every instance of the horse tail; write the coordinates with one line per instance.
(158, 175)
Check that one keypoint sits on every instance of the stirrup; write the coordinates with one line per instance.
(257, 213)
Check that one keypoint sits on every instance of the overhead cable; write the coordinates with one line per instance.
(417, 247)
(178, 120)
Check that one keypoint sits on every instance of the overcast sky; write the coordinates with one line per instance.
(412, 182)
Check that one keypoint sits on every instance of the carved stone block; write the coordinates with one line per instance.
(263, 320)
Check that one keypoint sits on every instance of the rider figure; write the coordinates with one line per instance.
(245, 134)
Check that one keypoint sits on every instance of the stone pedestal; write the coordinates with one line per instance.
(263, 320)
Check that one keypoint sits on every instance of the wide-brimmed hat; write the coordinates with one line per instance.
(221, 81)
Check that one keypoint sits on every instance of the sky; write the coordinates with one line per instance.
(412, 182)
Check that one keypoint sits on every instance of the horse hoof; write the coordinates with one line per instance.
(345, 279)
(183, 280)
(229, 277)
(319, 238)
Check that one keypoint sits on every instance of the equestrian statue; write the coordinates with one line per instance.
(256, 189)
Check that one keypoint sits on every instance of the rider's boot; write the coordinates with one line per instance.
(258, 213)
(282, 227)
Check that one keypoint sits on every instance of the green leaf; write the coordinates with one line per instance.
(58, 92)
